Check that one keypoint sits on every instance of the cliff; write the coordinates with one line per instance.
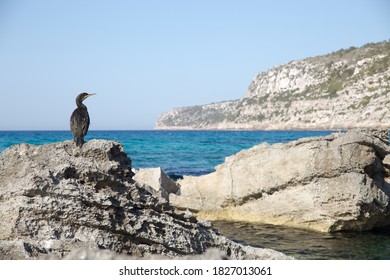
(60, 201)
(334, 183)
(342, 90)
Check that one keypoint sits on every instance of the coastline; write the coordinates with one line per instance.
(273, 128)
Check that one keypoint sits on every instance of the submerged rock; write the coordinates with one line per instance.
(333, 183)
(60, 201)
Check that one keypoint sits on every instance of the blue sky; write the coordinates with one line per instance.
(143, 58)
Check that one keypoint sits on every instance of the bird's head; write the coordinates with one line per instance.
(85, 95)
(81, 97)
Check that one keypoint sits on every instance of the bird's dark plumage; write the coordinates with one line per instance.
(79, 121)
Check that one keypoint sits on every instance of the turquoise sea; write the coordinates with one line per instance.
(177, 152)
(196, 153)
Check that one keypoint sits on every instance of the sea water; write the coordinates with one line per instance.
(306, 244)
(196, 153)
(178, 153)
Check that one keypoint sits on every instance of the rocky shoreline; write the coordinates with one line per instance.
(58, 201)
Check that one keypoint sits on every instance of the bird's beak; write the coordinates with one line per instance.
(89, 94)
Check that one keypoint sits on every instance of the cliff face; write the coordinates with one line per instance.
(345, 89)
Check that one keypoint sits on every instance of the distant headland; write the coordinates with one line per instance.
(349, 88)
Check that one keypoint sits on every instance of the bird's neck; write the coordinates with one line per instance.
(80, 104)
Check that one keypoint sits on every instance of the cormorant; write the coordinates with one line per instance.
(79, 121)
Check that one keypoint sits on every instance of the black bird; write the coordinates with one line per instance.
(79, 121)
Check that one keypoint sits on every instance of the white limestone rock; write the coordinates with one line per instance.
(157, 180)
(326, 184)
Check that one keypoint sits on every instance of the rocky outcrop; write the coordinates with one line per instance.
(333, 183)
(60, 201)
(342, 90)
(157, 180)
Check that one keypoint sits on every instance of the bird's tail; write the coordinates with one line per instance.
(79, 141)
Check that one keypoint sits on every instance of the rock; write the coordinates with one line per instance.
(386, 164)
(158, 180)
(331, 183)
(88, 254)
(210, 254)
(58, 199)
(386, 161)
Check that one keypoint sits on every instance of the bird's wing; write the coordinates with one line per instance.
(79, 122)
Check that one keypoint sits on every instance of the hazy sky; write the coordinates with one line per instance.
(143, 58)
